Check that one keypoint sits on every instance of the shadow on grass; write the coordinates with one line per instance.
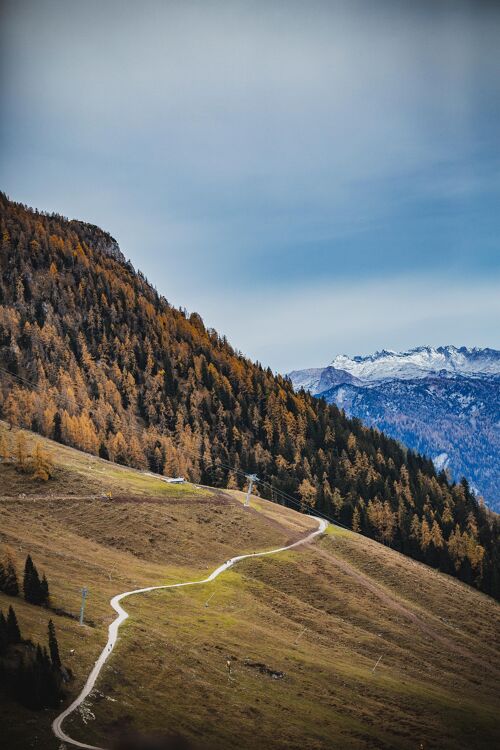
(157, 742)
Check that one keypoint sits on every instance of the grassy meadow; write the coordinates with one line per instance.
(343, 643)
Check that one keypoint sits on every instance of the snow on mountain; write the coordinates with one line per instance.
(319, 379)
(443, 402)
(441, 462)
(419, 362)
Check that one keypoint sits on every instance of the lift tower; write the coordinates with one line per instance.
(251, 479)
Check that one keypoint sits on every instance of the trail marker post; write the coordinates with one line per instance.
(300, 636)
(251, 479)
(378, 662)
(85, 591)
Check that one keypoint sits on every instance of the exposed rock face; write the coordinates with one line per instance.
(101, 241)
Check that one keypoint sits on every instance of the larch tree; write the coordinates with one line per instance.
(4, 449)
(307, 493)
(42, 464)
(22, 455)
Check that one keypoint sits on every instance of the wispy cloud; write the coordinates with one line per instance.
(271, 147)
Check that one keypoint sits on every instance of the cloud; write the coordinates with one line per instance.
(240, 149)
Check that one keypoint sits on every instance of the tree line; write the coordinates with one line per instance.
(100, 361)
(35, 588)
(32, 675)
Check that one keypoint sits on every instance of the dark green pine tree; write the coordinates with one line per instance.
(44, 591)
(39, 670)
(10, 586)
(36, 684)
(54, 647)
(13, 632)
(31, 582)
(57, 431)
(3, 634)
(103, 452)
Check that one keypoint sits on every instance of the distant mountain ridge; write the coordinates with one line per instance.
(441, 401)
(420, 362)
(388, 365)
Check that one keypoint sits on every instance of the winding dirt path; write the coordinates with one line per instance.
(57, 724)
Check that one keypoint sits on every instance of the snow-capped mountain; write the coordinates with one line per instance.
(444, 402)
(388, 365)
(419, 362)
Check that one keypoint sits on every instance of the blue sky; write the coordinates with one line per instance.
(313, 178)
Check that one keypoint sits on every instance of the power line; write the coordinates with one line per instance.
(300, 505)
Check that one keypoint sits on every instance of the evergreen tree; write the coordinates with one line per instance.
(103, 451)
(56, 431)
(13, 632)
(31, 582)
(28, 579)
(44, 591)
(36, 591)
(54, 647)
(8, 577)
(3, 634)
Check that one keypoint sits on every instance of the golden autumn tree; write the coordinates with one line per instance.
(382, 519)
(43, 466)
(356, 520)
(307, 492)
(22, 455)
(4, 448)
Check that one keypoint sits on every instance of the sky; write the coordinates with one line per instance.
(312, 178)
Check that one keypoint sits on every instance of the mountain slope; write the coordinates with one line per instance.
(442, 402)
(376, 650)
(92, 356)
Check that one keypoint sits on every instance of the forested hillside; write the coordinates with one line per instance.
(93, 357)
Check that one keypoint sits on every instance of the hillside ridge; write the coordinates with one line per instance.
(92, 356)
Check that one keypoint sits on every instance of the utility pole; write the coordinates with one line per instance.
(85, 591)
(251, 479)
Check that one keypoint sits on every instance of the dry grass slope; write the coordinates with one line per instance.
(322, 615)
